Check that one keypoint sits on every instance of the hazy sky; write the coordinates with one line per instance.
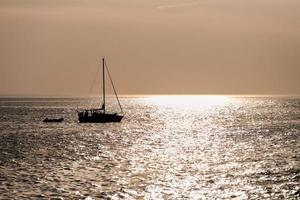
(53, 47)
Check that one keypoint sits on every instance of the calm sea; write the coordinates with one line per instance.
(166, 147)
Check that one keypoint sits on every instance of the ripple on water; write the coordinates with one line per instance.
(225, 147)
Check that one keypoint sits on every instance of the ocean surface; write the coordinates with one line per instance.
(166, 147)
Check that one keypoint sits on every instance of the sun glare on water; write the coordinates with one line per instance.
(189, 100)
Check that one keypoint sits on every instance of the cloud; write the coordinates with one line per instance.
(170, 6)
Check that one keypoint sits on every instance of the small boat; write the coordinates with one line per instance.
(53, 120)
(100, 115)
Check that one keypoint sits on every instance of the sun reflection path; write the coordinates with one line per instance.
(186, 150)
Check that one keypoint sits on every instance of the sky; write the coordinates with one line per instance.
(54, 47)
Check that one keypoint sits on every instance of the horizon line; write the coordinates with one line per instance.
(147, 95)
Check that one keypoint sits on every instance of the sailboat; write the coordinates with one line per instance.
(100, 115)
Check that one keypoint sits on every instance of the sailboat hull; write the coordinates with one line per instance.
(99, 118)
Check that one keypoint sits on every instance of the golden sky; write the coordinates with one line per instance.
(53, 47)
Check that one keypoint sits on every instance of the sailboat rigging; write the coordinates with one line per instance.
(99, 115)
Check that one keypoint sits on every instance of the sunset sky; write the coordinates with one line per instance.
(53, 47)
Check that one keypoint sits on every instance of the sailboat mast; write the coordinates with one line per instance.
(103, 84)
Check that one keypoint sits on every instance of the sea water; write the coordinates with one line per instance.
(166, 147)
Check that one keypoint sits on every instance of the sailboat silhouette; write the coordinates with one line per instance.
(99, 115)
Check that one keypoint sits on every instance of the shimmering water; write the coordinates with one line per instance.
(165, 148)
